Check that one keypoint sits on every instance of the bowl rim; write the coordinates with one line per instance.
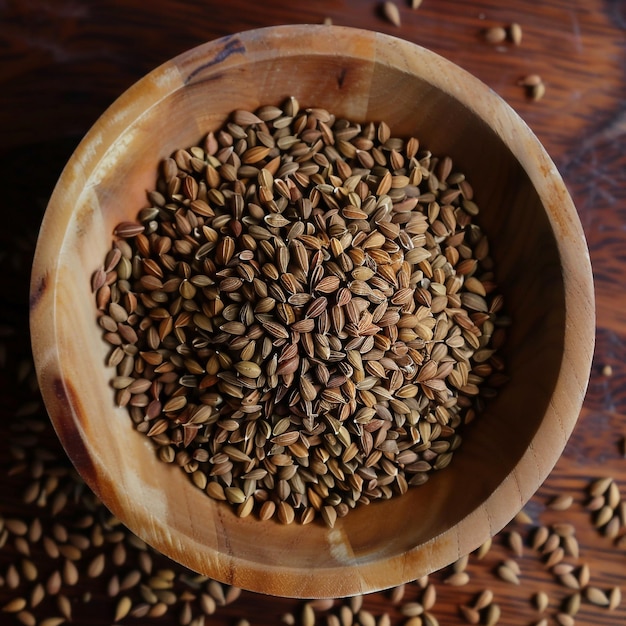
(579, 330)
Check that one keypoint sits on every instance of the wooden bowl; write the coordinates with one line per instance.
(543, 269)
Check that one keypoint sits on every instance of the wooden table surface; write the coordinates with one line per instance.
(63, 62)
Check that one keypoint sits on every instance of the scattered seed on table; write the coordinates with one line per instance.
(541, 601)
(561, 502)
(597, 596)
(515, 33)
(494, 34)
(391, 12)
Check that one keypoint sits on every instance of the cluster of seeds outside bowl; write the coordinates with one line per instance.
(306, 315)
(536, 247)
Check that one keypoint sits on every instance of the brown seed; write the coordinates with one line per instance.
(15, 605)
(26, 618)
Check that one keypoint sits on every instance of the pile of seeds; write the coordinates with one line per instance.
(306, 315)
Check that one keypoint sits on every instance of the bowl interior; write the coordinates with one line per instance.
(363, 76)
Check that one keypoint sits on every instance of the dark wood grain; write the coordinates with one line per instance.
(63, 63)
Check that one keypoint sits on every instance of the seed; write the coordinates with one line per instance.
(507, 574)
(584, 575)
(569, 580)
(564, 619)
(599, 486)
(572, 604)
(484, 599)
(495, 34)
(561, 502)
(537, 92)
(248, 368)
(492, 615)
(563, 529)
(541, 601)
(615, 598)
(556, 556)
(15, 605)
(429, 597)
(523, 518)
(26, 618)
(470, 614)
(391, 13)
(540, 536)
(603, 516)
(483, 549)
(65, 606)
(458, 579)
(122, 609)
(516, 543)
(515, 33)
(595, 595)
(570, 546)
(412, 609)
(96, 566)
